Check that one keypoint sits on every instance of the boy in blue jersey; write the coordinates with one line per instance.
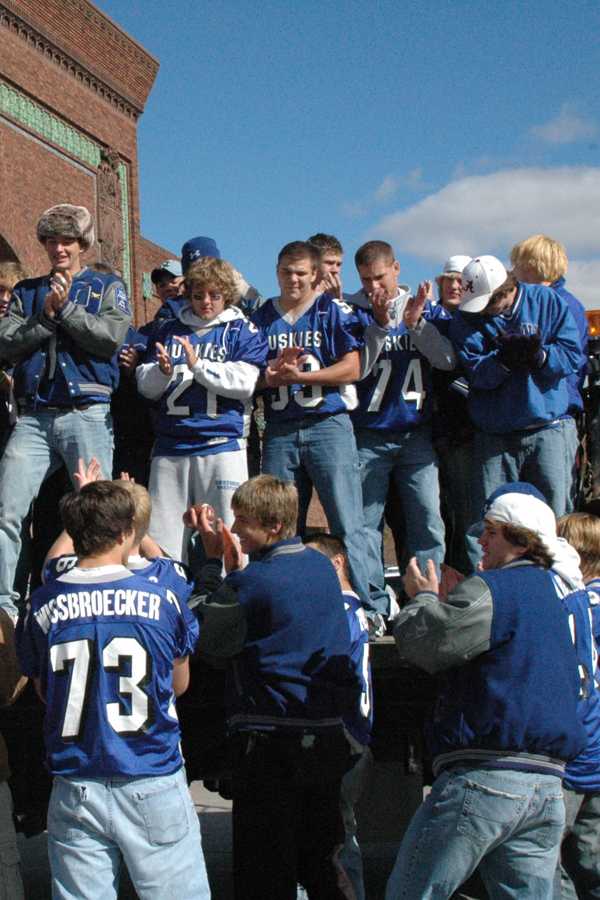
(108, 651)
(358, 722)
(62, 333)
(281, 626)
(202, 370)
(507, 718)
(314, 359)
(393, 418)
(580, 849)
(519, 346)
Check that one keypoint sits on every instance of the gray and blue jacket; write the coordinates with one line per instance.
(510, 688)
(69, 360)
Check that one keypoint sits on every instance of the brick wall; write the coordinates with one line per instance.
(72, 63)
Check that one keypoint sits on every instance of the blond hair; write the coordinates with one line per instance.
(582, 531)
(541, 254)
(217, 274)
(143, 507)
(10, 274)
(270, 501)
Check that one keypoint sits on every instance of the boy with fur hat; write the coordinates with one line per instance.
(62, 333)
(507, 718)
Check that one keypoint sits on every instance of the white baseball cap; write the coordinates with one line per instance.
(480, 278)
(455, 264)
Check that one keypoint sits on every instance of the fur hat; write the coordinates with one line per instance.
(66, 220)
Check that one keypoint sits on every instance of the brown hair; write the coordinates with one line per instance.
(270, 501)
(582, 531)
(300, 250)
(372, 251)
(329, 545)
(535, 549)
(212, 273)
(10, 274)
(326, 243)
(509, 284)
(97, 516)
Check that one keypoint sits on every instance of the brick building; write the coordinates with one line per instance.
(72, 88)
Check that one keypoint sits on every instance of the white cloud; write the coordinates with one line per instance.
(583, 280)
(490, 213)
(387, 189)
(568, 127)
(384, 193)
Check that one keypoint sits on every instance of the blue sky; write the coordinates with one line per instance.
(455, 127)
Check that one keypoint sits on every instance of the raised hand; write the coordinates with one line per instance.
(86, 474)
(163, 359)
(332, 283)
(191, 357)
(415, 581)
(128, 358)
(380, 304)
(57, 296)
(413, 309)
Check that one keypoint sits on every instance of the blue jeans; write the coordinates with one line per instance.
(578, 875)
(506, 822)
(321, 451)
(409, 458)
(151, 823)
(38, 445)
(544, 457)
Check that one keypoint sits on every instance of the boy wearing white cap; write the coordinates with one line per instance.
(508, 714)
(518, 345)
(62, 333)
(449, 282)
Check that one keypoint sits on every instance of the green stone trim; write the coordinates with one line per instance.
(39, 120)
(123, 178)
(43, 123)
(147, 286)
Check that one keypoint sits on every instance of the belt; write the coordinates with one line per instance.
(25, 407)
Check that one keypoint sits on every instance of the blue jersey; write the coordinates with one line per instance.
(578, 312)
(360, 724)
(593, 587)
(500, 400)
(207, 410)
(327, 331)
(102, 643)
(583, 772)
(161, 570)
(397, 394)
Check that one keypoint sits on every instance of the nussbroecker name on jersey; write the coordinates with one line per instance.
(303, 339)
(398, 342)
(208, 350)
(105, 602)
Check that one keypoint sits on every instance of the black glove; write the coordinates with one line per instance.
(520, 352)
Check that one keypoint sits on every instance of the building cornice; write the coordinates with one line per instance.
(69, 63)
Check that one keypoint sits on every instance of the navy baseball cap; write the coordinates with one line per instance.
(196, 248)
